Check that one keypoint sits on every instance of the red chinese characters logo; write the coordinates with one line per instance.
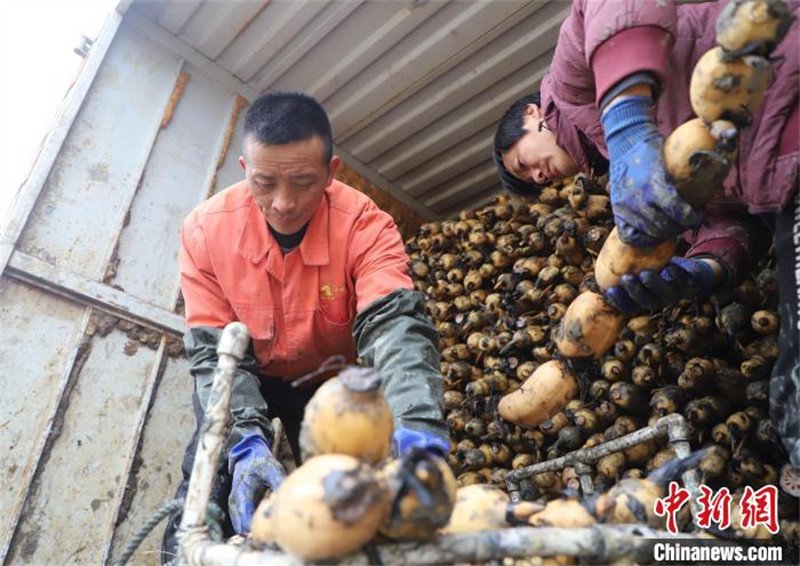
(671, 504)
(714, 508)
(760, 508)
(757, 507)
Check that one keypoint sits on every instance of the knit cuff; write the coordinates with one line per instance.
(626, 122)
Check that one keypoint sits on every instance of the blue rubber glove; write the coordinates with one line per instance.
(404, 440)
(681, 278)
(647, 208)
(255, 471)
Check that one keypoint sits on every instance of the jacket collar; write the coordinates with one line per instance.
(256, 241)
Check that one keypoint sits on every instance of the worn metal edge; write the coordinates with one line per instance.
(67, 284)
(25, 199)
(153, 380)
(46, 440)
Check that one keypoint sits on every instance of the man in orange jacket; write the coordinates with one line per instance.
(314, 269)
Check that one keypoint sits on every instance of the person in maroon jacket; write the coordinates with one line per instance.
(618, 83)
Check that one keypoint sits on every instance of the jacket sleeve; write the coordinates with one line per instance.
(733, 237)
(207, 313)
(395, 336)
(205, 301)
(393, 333)
(249, 411)
(611, 40)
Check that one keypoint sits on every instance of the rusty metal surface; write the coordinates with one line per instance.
(99, 168)
(38, 329)
(414, 89)
(175, 97)
(228, 169)
(75, 489)
(156, 471)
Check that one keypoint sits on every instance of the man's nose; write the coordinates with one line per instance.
(283, 201)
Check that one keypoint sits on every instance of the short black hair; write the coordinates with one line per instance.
(279, 118)
(510, 131)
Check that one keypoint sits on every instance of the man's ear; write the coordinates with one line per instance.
(532, 110)
(333, 167)
(242, 164)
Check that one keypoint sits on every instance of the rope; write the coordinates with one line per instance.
(151, 523)
(333, 363)
(214, 517)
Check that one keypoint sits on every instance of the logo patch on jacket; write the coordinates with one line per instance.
(329, 291)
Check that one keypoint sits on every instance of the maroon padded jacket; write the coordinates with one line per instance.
(602, 42)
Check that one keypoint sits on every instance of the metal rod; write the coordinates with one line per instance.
(591, 455)
(193, 533)
(678, 432)
(598, 544)
(584, 472)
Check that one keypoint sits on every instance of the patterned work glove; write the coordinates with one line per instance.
(255, 472)
(650, 290)
(404, 440)
(647, 208)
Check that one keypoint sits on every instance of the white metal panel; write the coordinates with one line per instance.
(153, 8)
(152, 33)
(98, 170)
(157, 473)
(464, 186)
(216, 24)
(76, 490)
(363, 37)
(174, 181)
(445, 39)
(176, 15)
(434, 172)
(480, 112)
(37, 346)
(297, 47)
(514, 49)
(272, 29)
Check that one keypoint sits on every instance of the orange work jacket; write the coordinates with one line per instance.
(300, 307)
